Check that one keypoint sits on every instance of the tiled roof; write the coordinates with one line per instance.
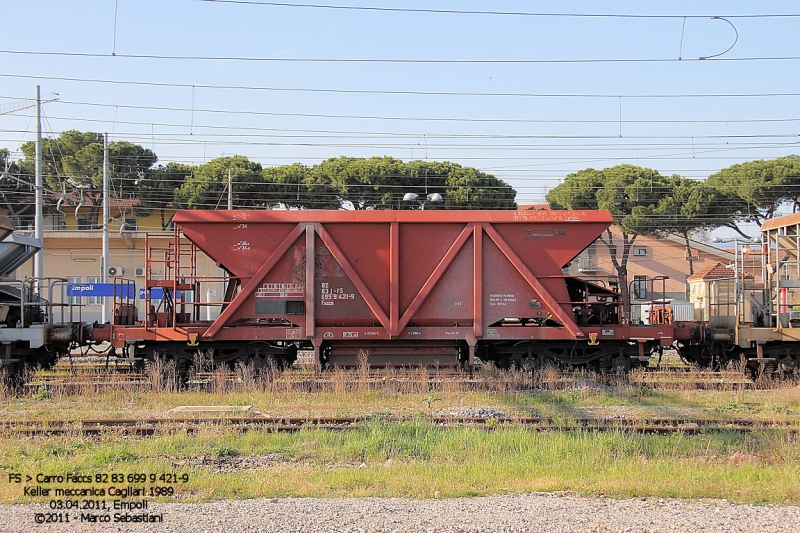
(533, 207)
(73, 200)
(718, 271)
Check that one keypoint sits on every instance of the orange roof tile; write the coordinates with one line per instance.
(718, 271)
(73, 199)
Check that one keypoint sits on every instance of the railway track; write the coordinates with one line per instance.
(95, 375)
(152, 426)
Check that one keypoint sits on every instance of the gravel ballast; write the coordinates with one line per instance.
(507, 513)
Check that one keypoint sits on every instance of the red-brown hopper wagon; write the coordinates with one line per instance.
(391, 288)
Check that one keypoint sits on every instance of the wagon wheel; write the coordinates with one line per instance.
(46, 359)
(259, 355)
(527, 363)
(605, 364)
(12, 373)
(182, 367)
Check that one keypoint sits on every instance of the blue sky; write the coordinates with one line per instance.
(587, 92)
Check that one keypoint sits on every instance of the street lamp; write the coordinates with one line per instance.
(414, 197)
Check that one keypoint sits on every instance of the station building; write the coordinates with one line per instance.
(73, 250)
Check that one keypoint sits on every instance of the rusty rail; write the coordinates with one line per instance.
(152, 426)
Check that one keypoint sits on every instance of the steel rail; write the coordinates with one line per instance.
(151, 426)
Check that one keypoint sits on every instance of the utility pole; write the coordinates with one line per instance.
(38, 221)
(230, 191)
(223, 273)
(106, 215)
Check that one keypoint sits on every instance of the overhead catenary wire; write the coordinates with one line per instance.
(421, 119)
(488, 12)
(450, 61)
(285, 132)
(401, 92)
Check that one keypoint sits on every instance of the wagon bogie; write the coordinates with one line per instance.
(217, 355)
(611, 356)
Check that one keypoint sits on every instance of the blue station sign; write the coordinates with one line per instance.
(121, 290)
(156, 293)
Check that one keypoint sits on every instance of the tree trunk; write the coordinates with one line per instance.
(95, 213)
(689, 253)
(620, 264)
(165, 224)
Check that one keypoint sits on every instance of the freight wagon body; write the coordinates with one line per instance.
(388, 288)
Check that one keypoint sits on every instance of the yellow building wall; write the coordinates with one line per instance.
(68, 221)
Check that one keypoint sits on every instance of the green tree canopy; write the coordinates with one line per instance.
(752, 191)
(73, 170)
(365, 183)
(157, 189)
(206, 188)
(75, 160)
(381, 183)
(5, 162)
(294, 187)
(686, 207)
(461, 187)
(16, 193)
(629, 192)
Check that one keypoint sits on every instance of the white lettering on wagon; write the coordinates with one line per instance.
(329, 295)
(546, 216)
(547, 233)
(279, 290)
(501, 299)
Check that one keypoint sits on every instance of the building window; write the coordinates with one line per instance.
(640, 250)
(640, 287)
(24, 223)
(130, 224)
(84, 223)
(94, 300)
(57, 222)
(74, 300)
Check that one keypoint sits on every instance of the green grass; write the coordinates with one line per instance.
(775, 403)
(417, 458)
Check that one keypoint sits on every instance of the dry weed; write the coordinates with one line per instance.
(162, 375)
(219, 379)
(203, 361)
(6, 391)
(247, 380)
